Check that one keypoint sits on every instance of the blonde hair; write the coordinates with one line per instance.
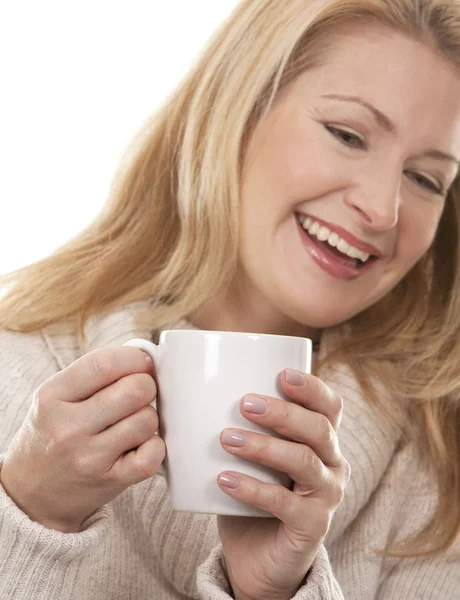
(169, 231)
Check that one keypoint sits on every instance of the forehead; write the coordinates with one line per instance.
(406, 79)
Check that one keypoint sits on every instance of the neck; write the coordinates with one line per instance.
(231, 311)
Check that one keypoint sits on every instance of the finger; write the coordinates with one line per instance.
(139, 464)
(289, 507)
(296, 423)
(117, 401)
(128, 433)
(300, 462)
(95, 371)
(314, 394)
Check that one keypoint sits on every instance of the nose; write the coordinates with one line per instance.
(377, 202)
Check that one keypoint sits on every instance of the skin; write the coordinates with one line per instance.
(90, 430)
(293, 163)
(77, 440)
(377, 185)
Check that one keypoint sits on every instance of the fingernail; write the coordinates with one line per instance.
(293, 377)
(254, 404)
(234, 438)
(229, 480)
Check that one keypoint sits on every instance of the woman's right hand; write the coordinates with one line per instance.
(89, 434)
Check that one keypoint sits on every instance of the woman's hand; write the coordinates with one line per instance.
(269, 558)
(89, 434)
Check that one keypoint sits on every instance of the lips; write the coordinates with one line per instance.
(347, 236)
(331, 260)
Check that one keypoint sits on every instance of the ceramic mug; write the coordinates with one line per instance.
(202, 376)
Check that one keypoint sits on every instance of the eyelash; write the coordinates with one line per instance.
(423, 182)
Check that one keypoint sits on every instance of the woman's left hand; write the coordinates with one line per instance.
(269, 558)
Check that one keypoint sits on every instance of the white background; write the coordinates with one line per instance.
(77, 81)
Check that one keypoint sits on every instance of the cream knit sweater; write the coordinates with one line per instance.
(138, 548)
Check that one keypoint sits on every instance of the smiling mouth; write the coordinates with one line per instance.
(332, 252)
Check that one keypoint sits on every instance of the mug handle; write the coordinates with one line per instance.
(149, 347)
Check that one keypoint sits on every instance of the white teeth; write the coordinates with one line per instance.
(333, 240)
(314, 227)
(353, 252)
(342, 246)
(323, 234)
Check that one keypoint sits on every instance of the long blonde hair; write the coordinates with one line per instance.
(169, 230)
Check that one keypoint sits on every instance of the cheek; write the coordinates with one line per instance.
(286, 170)
(293, 164)
(416, 233)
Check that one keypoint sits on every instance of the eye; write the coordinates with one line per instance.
(347, 137)
(425, 183)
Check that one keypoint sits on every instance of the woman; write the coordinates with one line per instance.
(302, 180)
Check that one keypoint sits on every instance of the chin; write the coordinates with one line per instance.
(319, 314)
(315, 318)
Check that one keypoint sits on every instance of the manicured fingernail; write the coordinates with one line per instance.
(229, 480)
(254, 404)
(293, 377)
(234, 438)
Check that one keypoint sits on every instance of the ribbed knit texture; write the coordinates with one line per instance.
(138, 548)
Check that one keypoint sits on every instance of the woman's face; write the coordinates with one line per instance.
(360, 151)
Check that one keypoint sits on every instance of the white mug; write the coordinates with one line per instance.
(202, 376)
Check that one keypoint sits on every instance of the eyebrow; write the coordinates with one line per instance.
(387, 124)
(438, 155)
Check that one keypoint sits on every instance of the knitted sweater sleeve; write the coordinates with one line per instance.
(320, 584)
(35, 562)
(428, 578)
(407, 504)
